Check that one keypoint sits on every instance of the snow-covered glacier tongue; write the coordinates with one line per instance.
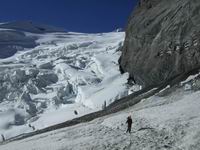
(47, 74)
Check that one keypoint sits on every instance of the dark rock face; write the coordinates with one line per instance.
(162, 40)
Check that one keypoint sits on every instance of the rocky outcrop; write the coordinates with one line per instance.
(162, 40)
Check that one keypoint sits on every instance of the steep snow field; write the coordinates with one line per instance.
(50, 74)
(168, 120)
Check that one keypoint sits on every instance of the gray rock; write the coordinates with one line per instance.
(162, 40)
(46, 79)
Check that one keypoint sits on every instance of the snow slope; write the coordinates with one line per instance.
(168, 120)
(44, 83)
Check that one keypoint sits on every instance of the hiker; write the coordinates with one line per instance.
(129, 122)
(75, 112)
(31, 127)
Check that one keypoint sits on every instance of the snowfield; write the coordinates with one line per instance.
(168, 120)
(52, 73)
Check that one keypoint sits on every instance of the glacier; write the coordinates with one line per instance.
(47, 74)
(167, 120)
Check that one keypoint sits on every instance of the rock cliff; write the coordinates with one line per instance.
(162, 40)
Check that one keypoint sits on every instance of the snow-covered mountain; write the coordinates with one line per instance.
(66, 75)
(13, 36)
(49, 76)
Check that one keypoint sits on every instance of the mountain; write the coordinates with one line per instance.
(13, 36)
(48, 74)
(29, 26)
(67, 92)
(162, 40)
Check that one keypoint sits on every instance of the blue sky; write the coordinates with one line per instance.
(73, 15)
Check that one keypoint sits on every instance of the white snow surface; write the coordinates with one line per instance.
(44, 84)
(159, 122)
